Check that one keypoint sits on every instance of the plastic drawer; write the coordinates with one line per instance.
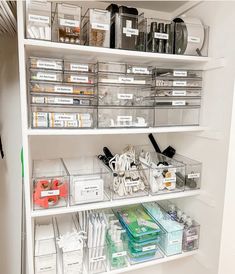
(178, 83)
(50, 184)
(171, 92)
(178, 73)
(79, 66)
(45, 75)
(81, 78)
(125, 117)
(177, 116)
(122, 95)
(45, 63)
(176, 102)
(89, 180)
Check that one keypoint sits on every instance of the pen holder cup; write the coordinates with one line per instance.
(96, 259)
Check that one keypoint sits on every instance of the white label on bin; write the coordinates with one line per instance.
(39, 19)
(194, 39)
(180, 73)
(70, 23)
(46, 64)
(178, 103)
(46, 76)
(125, 80)
(150, 247)
(172, 242)
(140, 70)
(64, 89)
(179, 83)
(47, 193)
(125, 96)
(79, 79)
(100, 26)
(119, 254)
(169, 180)
(194, 175)
(38, 100)
(179, 92)
(191, 238)
(129, 32)
(131, 183)
(78, 67)
(63, 117)
(98, 259)
(159, 35)
(90, 189)
(60, 100)
(125, 118)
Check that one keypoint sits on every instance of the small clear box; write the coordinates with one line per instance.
(38, 20)
(96, 259)
(45, 63)
(67, 24)
(177, 73)
(182, 92)
(46, 75)
(89, 180)
(79, 78)
(76, 66)
(50, 184)
(96, 28)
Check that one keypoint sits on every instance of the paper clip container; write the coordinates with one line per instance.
(89, 180)
(45, 255)
(38, 20)
(50, 184)
(96, 259)
(72, 259)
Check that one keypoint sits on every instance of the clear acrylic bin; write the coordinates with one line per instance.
(177, 116)
(130, 31)
(60, 88)
(89, 180)
(171, 238)
(177, 73)
(96, 28)
(45, 63)
(178, 83)
(38, 20)
(117, 78)
(79, 66)
(176, 102)
(67, 24)
(173, 92)
(119, 117)
(80, 78)
(123, 95)
(45, 75)
(50, 184)
(45, 255)
(96, 259)
(193, 170)
(160, 36)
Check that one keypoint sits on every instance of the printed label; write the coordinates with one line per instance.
(180, 73)
(125, 96)
(194, 175)
(174, 242)
(179, 92)
(47, 193)
(119, 254)
(39, 19)
(140, 70)
(90, 189)
(178, 103)
(97, 259)
(78, 67)
(46, 64)
(129, 32)
(150, 247)
(194, 39)
(63, 117)
(125, 80)
(192, 238)
(179, 83)
(63, 89)
(100, 26)
(124, 118)
(79, 79)
(60, 100)
(38, 100)
(159, 35)
(70, 23)
(169, 180)
(46, 76)
(131, 183)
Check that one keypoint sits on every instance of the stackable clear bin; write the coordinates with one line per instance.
(89, 180)
(50, 184)
(178, 83)
(123, 95)
(46, 75)
(159, 36)
(175, 102)
(67, 24)
(193, 170)
(118, 117)
(45, 255)
(63, 117)
(80, 78)
(96, 259)
(182, 92)
(130, 31)
(38, 20)
(96, 28)
(177, 116)
(177, 73)
(45, 63)
(79, 66)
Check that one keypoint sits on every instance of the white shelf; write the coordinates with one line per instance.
(114, 203)
(61, 50)
(71, 132)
